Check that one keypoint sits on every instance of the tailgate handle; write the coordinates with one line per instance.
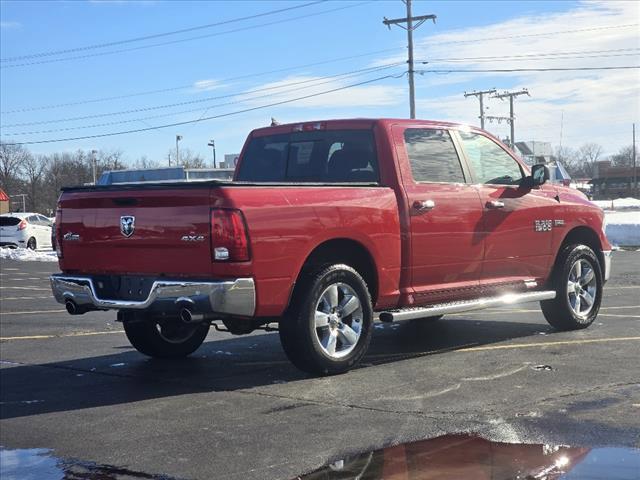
(125, 202)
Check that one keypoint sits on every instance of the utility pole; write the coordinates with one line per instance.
(511, 96)
(178, 138)
(212, 144)
(410, 27)
(93, 164)
(635, 175)
(480, 95)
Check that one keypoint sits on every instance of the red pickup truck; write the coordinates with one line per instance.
(324, 224)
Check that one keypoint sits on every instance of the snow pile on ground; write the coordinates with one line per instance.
(623, 228)
(618, 204)
(24, 254)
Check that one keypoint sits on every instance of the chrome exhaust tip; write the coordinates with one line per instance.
(187, 316)
(71, 307)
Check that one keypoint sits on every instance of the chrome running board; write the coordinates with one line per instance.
(465, 306)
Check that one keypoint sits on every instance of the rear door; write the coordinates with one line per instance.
(516, 221)
(444, 217)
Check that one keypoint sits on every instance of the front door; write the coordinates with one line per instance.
(517, 221)
(444, 216)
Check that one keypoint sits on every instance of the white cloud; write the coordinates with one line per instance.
(206, 85)
(597, 105)
(358, 96)
(10, 24)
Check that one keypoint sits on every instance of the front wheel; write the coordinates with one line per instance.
(162, 338)
(577, 280)
(328, 327)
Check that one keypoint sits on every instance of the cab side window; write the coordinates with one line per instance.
(432, 156)
(490, 163)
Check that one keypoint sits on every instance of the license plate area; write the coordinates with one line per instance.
(123, 287)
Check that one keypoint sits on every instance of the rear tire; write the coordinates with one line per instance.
(327, 329)
(165, 338)
(32, 244)
(577, 281)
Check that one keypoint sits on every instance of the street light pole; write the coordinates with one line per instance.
(93, 165)
(178, 138)
(212, 144)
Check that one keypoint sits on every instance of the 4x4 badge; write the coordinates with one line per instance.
(127, 225)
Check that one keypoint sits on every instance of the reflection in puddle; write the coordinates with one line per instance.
(466, 457)
(40, 464)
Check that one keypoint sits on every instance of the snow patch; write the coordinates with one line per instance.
(618, 203)
(623, 228)
(26, 255)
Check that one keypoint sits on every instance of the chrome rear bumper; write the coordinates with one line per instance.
(234, 297)
(606, 254)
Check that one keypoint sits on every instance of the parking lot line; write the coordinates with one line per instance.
(32, 312)
(26, 298)
(76, 334)
(25, 288)
(550, 344)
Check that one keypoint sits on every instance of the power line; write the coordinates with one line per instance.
(172, 42)
(324, 62)
(530, 35)
(505, 70)
(539, 54)
(191, 85)
(156, 35)
(208, 99)
(237, 112)
(331, 79)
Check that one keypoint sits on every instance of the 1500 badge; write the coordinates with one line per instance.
(542, 225)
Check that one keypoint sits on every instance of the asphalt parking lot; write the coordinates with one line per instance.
(238, 410)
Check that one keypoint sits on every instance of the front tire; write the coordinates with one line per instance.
(328, 327)
(577, 281)
(165, 338)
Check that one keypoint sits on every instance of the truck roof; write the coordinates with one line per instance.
(349, 123)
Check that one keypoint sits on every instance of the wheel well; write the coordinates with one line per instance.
(584, 236)
(345, 251)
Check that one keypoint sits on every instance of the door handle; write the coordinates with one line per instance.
(424, 205)
(495, 204)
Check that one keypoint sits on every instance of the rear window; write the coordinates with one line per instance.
(329, 156)
(9, 221)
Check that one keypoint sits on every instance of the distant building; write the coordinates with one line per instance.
(534, 152)
(4, 202)
(168, 174)
(230, 160)
(613, 182)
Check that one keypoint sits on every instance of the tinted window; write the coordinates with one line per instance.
(331, 156)
(44, 220)
(490, 163)
(9, 221)
(33, 220)
(432, 156)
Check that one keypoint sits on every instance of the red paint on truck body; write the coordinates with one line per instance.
(453, 252)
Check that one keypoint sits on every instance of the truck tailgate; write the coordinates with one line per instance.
(170, 231)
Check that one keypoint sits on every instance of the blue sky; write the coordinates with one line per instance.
(594, 105)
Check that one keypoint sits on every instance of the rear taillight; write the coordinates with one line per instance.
(22, 225)
(229, 236)
(57, 226)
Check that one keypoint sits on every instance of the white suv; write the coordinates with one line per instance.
(26, 230)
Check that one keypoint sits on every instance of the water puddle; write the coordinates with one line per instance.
(41, 464)
(454, 457)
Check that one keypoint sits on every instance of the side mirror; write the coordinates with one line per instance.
(539, 175)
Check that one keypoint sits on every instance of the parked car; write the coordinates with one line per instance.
(324, 224)
(25, 230)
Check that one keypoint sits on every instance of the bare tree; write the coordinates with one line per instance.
(12, 159)
(569, 159)
(189, 159)
(624, 158)
(144, 162)
(589, 154)
(34, 168)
